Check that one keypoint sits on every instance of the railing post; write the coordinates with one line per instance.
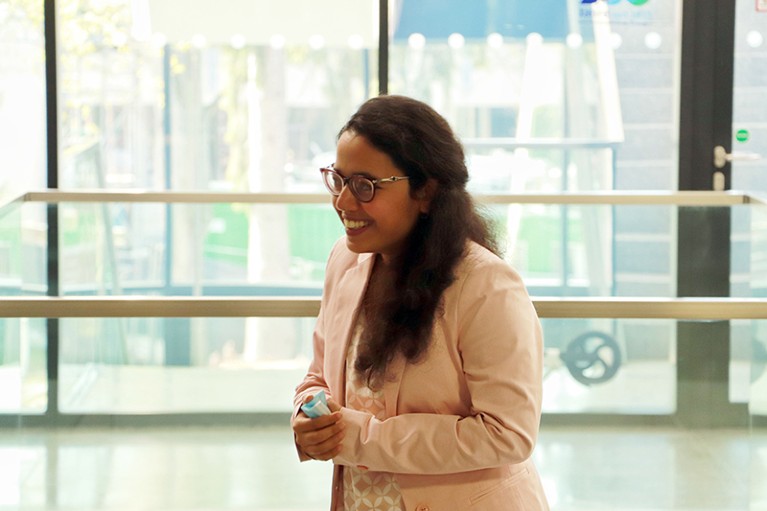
(52, 263)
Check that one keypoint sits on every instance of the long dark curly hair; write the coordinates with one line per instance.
(421, 143)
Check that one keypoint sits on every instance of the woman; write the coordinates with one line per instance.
(427, 343)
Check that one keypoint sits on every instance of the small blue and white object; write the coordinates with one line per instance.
(317, 406)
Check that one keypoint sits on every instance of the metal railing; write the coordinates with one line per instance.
(298, 306)
(681, 198)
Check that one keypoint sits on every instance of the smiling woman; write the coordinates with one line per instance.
(427, 344)
(380, 226)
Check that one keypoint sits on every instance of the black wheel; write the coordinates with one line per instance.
(592, 357)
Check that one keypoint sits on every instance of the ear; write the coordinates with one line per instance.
(426, 194)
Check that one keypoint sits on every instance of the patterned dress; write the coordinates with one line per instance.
(366, 490)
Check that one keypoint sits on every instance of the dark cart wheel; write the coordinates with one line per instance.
(592, 357)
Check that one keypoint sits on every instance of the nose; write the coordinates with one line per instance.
(346, 201)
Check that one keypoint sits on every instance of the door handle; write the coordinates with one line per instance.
(722, 157)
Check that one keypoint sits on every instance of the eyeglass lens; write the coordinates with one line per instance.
(361, 187)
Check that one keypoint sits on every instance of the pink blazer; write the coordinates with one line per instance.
(461, 422)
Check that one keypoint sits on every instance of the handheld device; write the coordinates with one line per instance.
(317, 406)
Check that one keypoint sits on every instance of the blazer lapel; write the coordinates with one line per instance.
(348, 297)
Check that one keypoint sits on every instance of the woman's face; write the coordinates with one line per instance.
(382, 225)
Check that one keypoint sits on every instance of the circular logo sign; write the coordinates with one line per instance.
(741, 135)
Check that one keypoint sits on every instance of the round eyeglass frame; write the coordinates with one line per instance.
(362, 187)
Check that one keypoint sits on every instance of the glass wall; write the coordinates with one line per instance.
(106, 365)
(23, 351)
(551, 95)
(749, 129)
(235, 100)
(247, 97)
(190, 365)
(749, 167)
(560, 96)
(22, 97)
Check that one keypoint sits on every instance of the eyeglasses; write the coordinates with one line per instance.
(363, 188)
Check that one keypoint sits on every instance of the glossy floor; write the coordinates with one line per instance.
(583, 468)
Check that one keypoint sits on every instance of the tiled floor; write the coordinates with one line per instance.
(583, 468)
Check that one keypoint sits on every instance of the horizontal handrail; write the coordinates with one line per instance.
(174, 197)
(542, 143)
(547, 307)
(681, 198)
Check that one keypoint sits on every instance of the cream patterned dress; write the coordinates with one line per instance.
(365, 490)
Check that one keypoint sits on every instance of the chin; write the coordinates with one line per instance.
(355, 247)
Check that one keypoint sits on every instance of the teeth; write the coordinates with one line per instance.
(354, 224)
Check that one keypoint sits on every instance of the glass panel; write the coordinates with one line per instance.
(757, 407)
(758, 374)
(553, 95)
(217, 249)
(22, 366)
(11, 257)
(181, 365)
(609, 366)
(23, 384)
(175, 365)
(204, 249)
(195, 249)
(749, 122)
(228, 99)
(22, 97)
(757, 344)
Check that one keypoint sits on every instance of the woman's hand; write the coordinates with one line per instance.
(320, 438)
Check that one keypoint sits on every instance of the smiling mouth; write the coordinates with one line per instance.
(354, 224)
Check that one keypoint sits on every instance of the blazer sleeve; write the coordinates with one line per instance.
(314, 380)
(500, 344)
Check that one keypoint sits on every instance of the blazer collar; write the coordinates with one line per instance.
(349, 293)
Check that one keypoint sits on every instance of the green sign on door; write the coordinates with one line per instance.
(741, 135)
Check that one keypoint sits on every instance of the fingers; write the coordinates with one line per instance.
(319, 438)
(303, 424)
(325, 450)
